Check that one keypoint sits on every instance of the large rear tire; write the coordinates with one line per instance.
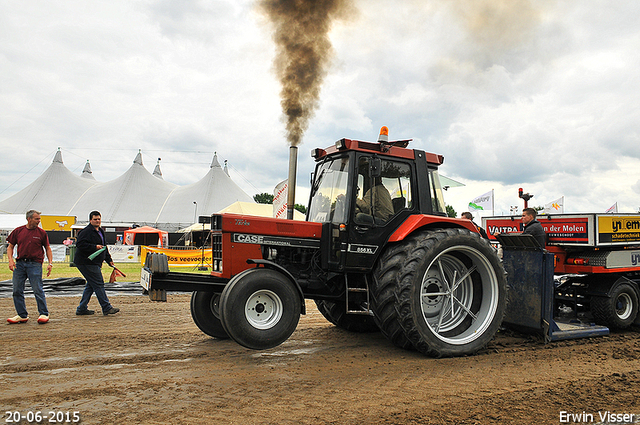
(336, 313)
(260, 308)
(205, 312)
(451, 292)
(618, 311)
(383, 298)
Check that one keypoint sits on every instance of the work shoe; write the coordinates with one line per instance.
(43, 319)
(17, 319)
(84, 313)
(112, 311)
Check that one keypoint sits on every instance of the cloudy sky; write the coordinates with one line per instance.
(542, 95)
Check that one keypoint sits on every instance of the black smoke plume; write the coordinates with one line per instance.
(304, 51)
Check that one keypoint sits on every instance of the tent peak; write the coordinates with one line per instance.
(156, 171)
(86, 172)
(138, 159)
(58, 156)
(226, 169)
(215, 162)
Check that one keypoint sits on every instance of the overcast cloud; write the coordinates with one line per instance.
(542, 95)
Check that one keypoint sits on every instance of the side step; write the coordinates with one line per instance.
(352, 307)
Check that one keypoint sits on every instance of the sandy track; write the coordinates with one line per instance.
(150, 364)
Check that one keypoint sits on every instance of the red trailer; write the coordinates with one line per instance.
(596, 262)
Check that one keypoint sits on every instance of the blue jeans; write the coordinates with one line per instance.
(33, 271)
(95, 283)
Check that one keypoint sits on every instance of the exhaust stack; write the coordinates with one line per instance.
(291, 183)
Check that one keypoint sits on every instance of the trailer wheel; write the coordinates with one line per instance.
(336, 313)
(205, 311)
(383, 298)
(451, 292)
(260, 308)
(619, 310)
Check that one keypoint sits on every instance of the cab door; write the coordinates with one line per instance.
(382, 200)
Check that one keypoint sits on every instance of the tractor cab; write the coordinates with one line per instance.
(363, 191)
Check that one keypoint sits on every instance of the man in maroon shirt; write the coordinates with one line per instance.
(30, 241)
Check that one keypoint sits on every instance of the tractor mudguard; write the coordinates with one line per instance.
(415, 222)
(277, 267)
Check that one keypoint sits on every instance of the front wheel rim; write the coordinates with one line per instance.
(263, 309)
(459, 295)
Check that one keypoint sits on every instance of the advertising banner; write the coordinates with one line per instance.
(621, 229)
(124, 253)
(59, 253)
(57, 222)
(179, 257)
(280, 200)
(565, 230)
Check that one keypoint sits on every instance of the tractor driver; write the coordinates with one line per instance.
(377, 197)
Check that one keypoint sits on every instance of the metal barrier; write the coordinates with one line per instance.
(530, 281)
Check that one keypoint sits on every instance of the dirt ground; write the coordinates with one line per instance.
(150, 364)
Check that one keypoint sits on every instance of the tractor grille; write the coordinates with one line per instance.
(216, 252)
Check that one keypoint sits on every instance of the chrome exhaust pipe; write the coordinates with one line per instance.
(291, 183)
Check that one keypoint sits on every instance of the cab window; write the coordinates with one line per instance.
(380, 196)
(328, 192)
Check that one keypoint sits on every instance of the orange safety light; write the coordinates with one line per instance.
(384, 134)
(578, 261)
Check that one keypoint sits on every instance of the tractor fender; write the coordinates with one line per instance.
(420, 221)
(277, 267)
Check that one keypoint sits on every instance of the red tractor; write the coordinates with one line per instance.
(376, 252)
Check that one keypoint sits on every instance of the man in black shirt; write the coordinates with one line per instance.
(92, 241)
(533, 226)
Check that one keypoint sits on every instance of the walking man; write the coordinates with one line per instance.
(90, 240)
(31, 242)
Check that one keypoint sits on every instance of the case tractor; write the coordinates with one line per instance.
(376, 252)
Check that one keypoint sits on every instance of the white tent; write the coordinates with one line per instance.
(52, 193)
(208, 195)
(252, 208)
(245, 208)
(136, 197)
(11, 221)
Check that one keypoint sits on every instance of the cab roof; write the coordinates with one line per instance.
(397, 149)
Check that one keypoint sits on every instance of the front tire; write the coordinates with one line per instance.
(451, 292)
(260, 308)
(618, 311)
(205, 311)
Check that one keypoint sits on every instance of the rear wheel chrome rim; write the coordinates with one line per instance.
(459, 295)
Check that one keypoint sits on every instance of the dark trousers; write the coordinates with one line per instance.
(95, 283)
